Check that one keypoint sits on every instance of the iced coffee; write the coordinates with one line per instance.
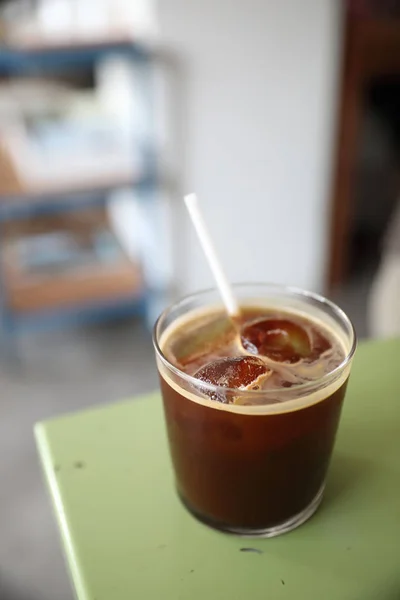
(252, 404)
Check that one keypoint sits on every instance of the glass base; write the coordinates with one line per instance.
(267, 532)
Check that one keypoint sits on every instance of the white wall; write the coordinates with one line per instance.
(261, 99)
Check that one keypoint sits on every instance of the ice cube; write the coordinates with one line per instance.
(202, 338)
(279, 339)
(241, 373)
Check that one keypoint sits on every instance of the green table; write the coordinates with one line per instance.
(127, 536)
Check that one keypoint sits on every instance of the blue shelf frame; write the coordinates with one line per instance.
(16, 62)
(13, 208)
(19, 60)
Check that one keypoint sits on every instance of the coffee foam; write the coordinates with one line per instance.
(320, 319)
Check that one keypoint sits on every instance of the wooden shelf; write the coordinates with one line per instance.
(67, 188)
(35, 43)
(82, 285)
(79, 223)
(91, 281)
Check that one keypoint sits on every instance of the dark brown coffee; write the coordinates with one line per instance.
(250, 432)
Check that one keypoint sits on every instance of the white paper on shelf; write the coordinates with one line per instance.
(142, 228)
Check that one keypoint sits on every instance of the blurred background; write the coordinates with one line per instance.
(283, 116)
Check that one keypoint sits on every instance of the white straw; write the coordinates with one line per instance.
(208, 247)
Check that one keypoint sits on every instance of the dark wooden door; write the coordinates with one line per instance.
(372, 49)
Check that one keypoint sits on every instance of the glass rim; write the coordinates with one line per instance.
(305, 387)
